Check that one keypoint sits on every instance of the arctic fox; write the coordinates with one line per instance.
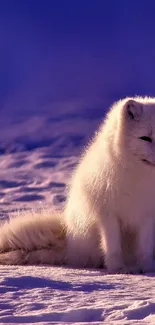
(109, 217)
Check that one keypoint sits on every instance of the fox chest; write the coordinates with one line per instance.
(137, 202)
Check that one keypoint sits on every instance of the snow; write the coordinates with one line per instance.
(52, 295)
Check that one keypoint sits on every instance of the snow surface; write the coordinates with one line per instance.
(37, 158)
(51, 295)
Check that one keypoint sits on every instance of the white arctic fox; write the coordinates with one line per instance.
(109, 217)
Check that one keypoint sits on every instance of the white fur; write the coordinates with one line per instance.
(110, 212)
(112, 193)
(33, 238)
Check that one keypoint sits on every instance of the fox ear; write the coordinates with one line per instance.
(133, 110)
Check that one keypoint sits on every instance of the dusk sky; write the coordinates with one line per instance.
(71, 50)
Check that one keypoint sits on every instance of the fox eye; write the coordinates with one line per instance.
(145, 138)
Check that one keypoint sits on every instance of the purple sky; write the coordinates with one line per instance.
(55, 51)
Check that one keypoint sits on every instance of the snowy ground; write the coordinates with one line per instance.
(51, 295)
(38, 154)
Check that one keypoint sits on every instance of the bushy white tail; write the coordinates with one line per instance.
(33, 238)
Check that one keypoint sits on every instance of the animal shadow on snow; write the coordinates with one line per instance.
(30, 282)
(16, 285)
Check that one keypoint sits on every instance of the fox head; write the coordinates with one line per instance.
(135, 133)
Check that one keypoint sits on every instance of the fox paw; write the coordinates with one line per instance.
(114, 263)
(148, 267)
